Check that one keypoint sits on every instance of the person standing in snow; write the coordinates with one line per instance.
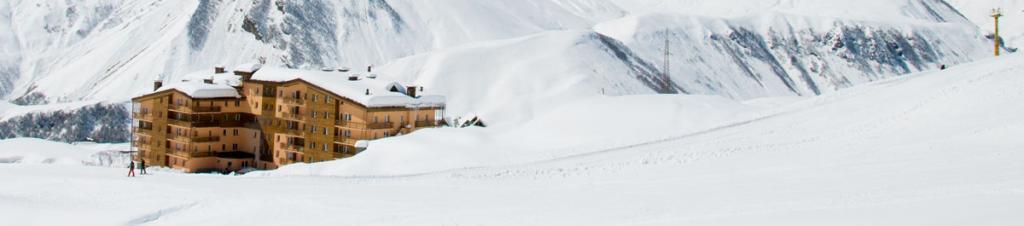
(131, 168)
(142, 167)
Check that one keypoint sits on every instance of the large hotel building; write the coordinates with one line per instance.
(263, 118)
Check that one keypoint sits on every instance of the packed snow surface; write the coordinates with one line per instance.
(39, 151)
(934, 148)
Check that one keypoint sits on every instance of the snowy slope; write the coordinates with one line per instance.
(491, 58)
(507, 81)
(980, 11)
(39, 151)
(939, 104)
(111, 49)
(934, 148)
(121, 48)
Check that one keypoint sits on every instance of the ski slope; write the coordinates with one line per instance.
(933, 148)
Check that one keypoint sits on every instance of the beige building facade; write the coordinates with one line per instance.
(263, 118)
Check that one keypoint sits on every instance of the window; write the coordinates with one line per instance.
(224, 132)
(234, 132)
(314, 114)
(387, 118)
(237, 103)
(325, 147)
(234, 147)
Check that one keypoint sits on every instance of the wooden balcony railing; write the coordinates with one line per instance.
(420, 124)
(218, 123)
(206, 109)
(292, 100)
(380, 125)
(180, 138)
(176, 107)
(142, 115)
(345, 140)
(206, 139)
(292, 147)
(144, 128)
(290, 115)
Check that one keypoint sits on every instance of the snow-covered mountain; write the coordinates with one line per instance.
(980, 11)
(487, 56)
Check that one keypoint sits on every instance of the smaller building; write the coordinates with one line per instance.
(263, 118)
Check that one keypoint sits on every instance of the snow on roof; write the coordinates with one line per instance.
(221, 78)
(199, 89)
(339, 83)
(248, 68)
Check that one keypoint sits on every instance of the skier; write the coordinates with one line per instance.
(142, 167)
(131, 168)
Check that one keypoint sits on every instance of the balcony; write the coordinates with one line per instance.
(206, 109)
(206, 139)
(421, 124)
(179, 138)
(180, 122)
(292, 147)
(144, 128)
(177, 107)
(183, 154)
(380, 125)
(290, 115)
(293, 100)
(142, 115)
(187, 123)
(345, 141)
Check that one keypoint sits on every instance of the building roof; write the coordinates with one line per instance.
(200, 90)
(380, 91)
(248, 68)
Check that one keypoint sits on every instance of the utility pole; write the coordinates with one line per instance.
(996, 14)
(666, 80)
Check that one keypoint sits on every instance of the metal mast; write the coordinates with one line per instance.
(666, 81)
(996, 14)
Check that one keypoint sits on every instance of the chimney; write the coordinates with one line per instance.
(157, 84)
(208, 81)
(369, 69)
(353, 77)
(219, 69)
(411, 91)
(367, 92)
